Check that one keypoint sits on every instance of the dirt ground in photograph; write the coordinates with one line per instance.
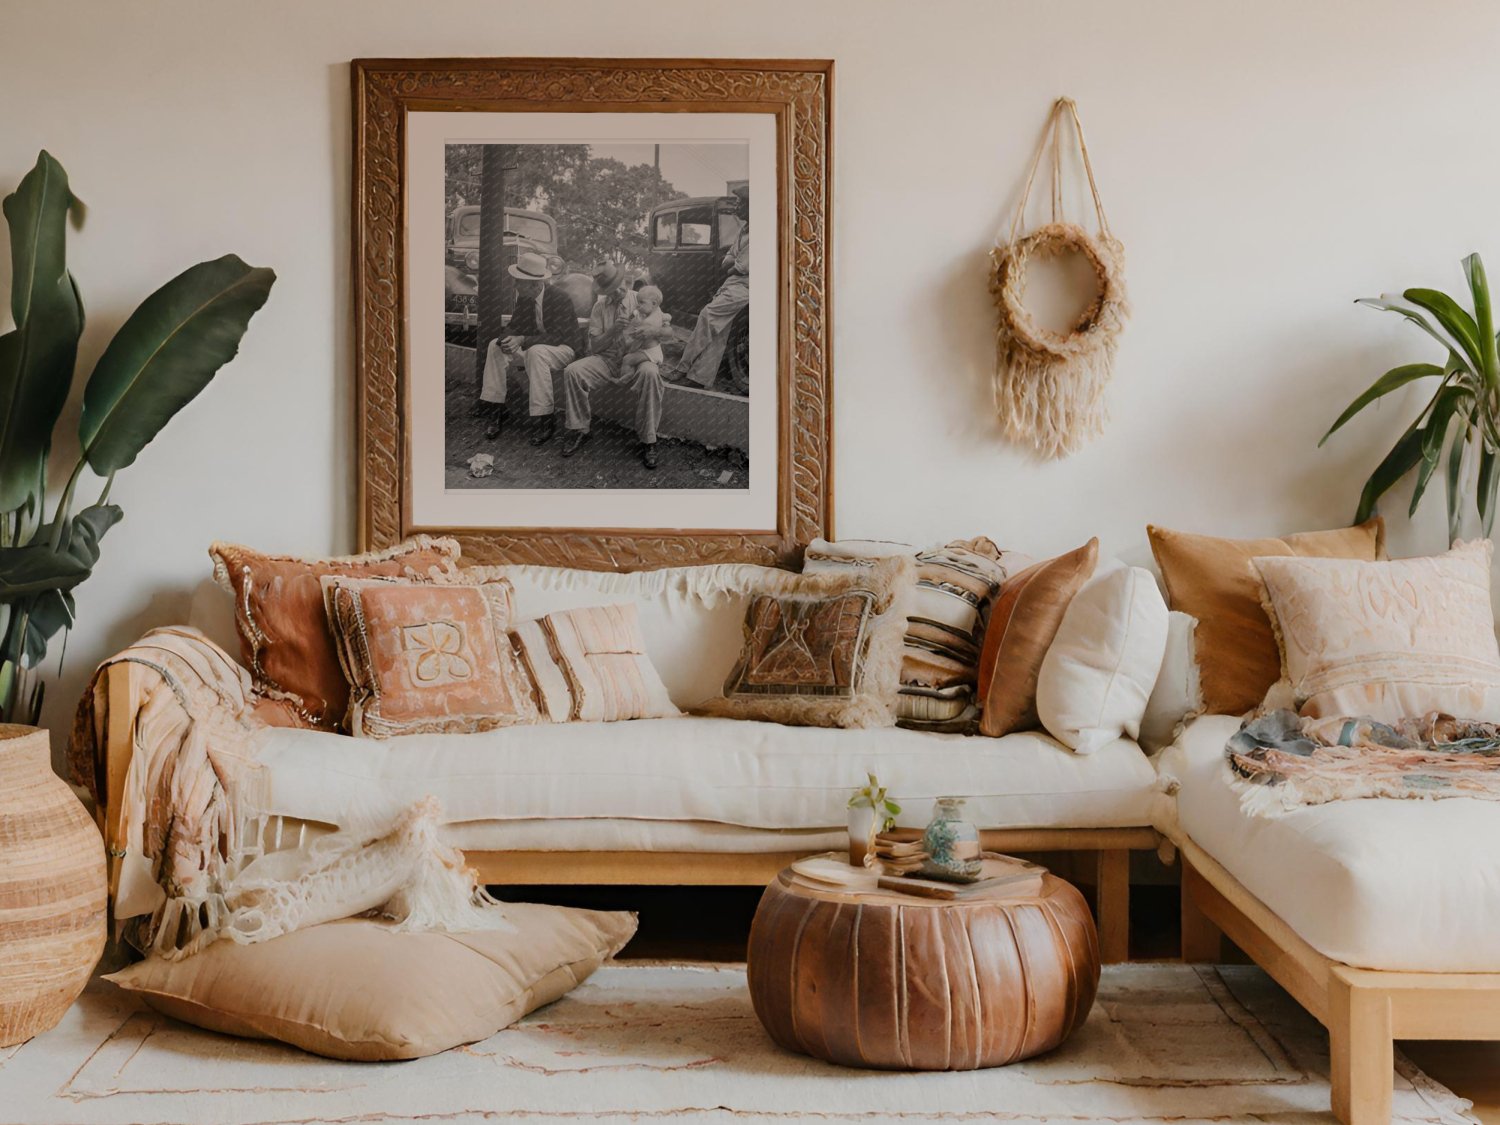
(609, 459)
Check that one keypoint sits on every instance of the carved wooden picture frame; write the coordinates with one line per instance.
(795, 94)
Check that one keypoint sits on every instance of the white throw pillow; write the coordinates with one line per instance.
(1098, 674)
(1178, 694)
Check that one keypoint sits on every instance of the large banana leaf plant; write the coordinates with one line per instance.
(1457, 428)
(163, 355)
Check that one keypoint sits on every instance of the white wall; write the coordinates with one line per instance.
(1264, 164)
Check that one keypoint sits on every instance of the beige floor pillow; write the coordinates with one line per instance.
(356, 990)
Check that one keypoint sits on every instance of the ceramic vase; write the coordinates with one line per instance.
(52, 888)
(951, 843)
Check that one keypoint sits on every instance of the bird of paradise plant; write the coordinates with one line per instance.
(1458, 426)
(162, 356)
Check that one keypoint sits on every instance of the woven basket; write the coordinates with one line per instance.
(52, 889)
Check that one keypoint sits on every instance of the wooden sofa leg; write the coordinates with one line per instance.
(1112, 886)
(1202, 941)
(1361, 1052)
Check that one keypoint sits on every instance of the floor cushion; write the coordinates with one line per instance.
(1379, 884)
(357, 990)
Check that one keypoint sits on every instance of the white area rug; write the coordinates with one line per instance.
(644, 1042)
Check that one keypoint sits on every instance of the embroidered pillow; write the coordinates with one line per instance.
(1026, 617)
(1213, 580)
(424, 657)
(1387, 640)
(823, 649)
(590, 665)
(284, 635)
(956, 584)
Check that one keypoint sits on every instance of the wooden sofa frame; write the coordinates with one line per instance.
(1111, 846)
(1364, 1010)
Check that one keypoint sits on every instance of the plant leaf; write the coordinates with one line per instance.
(1455, 475)
(1402, 458)
(1391, 302)
(168, 351)
(37, 356)
(1393, 379)
(1484, 316)
(35, 568)
(1445, 404)
(1454, 319)
(1488, 480)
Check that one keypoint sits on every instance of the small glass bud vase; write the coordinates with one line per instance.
(951, 843)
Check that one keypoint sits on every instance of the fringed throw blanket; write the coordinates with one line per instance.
(1281, 761)
(191, 842)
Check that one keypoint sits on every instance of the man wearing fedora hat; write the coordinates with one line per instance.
(542, 334)
(614, 306)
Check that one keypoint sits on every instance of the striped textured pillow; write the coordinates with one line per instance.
(956, 584)
(590, 665)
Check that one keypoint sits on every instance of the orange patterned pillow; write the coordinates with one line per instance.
(284, 635)
(424, 657)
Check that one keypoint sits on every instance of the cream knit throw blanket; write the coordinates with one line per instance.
(193, 865)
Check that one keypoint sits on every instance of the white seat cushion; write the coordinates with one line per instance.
(1379, 884)
(730, 771)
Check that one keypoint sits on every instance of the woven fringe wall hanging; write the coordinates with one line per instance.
(1049, 386)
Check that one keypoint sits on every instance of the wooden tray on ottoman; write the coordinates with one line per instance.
(882, 979)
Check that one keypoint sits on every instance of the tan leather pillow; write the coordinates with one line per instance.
(1214, 580)
(357, 990)
(427, 657)
(285, 640)
(1023, 623)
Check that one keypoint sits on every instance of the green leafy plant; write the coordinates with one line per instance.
(164, 354)
(1457, 427)
(873, 796)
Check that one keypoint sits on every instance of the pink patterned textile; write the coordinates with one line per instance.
(1281, 761)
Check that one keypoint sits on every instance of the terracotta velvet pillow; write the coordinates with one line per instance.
(823, 649)
(427, 657)
(1215, 581)
(285, 640)
(1025, 619)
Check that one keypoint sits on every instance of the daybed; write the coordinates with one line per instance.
(670, 801)
(1378, 915)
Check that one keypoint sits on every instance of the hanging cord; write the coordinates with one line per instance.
(1052, 136)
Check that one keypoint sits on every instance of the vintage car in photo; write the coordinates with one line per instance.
(688, 241)
(524, 231)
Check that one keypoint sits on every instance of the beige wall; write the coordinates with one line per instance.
(1264, 164)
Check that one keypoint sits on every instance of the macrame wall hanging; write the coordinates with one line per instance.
(1049, 386)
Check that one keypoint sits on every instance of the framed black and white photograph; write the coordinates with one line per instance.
(597, 352)
(598, 335)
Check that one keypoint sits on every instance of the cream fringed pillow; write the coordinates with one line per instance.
(1388, 640)
(823, 650)
(590, 665)
(426, 657)
(356, 990)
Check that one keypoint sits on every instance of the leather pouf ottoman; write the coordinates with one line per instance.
(889, 980)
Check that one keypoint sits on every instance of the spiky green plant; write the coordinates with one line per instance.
(163, 355)
(1457, 427)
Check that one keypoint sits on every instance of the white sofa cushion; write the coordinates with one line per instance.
(1378, 884)
(1101, 665)
(731, 771)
